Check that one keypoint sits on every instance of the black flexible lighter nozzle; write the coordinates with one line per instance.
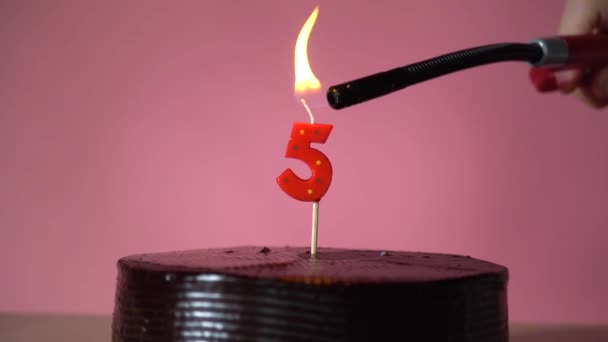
(383, 83)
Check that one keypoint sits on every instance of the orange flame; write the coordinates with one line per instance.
(306, 82)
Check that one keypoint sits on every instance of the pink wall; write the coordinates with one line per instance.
(130, 127)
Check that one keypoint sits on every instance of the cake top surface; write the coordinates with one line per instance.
(330, 265)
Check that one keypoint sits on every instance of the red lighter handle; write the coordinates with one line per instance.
(589, 50)
(574, 52)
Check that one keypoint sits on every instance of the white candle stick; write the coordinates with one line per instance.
(315, 228)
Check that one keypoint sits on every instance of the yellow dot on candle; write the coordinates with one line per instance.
(310, 191)
(301, 132)
(318, 162)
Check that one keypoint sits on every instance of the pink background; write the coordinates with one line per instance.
(143, 126)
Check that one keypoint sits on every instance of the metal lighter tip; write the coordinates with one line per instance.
(333, 98)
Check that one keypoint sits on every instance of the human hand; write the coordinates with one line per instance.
(585, 17)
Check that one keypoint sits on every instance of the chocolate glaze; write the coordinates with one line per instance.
(283, 294)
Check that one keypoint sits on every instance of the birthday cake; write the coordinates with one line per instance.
(285, 294)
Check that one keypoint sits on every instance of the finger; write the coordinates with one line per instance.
(594, 90)
(584, 95)
(567, 80)
(599, 86)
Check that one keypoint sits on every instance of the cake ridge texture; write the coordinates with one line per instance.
(255, 293)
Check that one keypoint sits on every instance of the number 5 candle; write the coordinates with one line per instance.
(298, 147)
(303, 134)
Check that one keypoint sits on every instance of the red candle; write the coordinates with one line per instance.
(303, 134)
(298, 147)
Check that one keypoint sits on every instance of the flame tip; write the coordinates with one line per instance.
(305, 81)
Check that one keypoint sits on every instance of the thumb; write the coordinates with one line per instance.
(579, 17)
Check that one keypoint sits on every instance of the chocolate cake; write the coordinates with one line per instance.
(283, 294)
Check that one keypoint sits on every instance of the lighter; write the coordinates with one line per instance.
(546, 55)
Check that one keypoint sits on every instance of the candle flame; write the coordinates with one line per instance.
(306, 82)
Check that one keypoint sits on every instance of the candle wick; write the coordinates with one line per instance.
(312, 118)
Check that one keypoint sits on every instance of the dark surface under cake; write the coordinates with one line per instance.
(282, 294)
